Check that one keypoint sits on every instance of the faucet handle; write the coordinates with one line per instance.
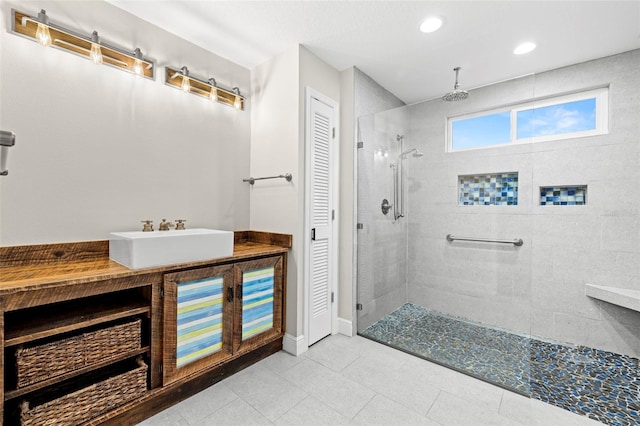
(148, 225)
(180, 224)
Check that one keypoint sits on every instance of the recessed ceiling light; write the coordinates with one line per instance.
(523, 48)
(431, 24)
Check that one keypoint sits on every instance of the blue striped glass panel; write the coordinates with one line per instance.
(257, 301)
(199, 319)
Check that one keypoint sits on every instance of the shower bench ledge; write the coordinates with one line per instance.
(626, 298)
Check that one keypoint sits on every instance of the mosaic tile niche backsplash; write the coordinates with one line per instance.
(496, 189)
(563, 195)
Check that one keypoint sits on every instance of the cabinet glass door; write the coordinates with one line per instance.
(259, 303)
(197, 312)
(199, 331)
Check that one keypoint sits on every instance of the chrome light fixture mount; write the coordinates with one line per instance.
(181, 78)
(41, 30)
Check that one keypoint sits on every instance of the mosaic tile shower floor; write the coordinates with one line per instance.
(601, 385)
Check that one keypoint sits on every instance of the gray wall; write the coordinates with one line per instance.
(539, 287)
(381, 247)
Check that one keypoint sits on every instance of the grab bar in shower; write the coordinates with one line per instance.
(253, 180)
(516, 242)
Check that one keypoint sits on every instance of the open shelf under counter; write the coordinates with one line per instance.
(25, 326)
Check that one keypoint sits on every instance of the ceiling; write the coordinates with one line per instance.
(382, 38)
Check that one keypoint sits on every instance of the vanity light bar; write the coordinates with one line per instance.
(39, 29)
(183, 80)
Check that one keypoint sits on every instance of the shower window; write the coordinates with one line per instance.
(561, 117)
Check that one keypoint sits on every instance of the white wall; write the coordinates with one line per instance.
(277, 147)
(98, 149)
(275, 150)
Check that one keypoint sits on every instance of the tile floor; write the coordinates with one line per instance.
(345, 381)
(601, 385)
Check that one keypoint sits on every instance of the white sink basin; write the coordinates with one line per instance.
(138, 249)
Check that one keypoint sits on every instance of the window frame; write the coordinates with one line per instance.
(600, 94)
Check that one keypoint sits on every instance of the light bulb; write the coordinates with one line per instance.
(185, 86)
(137, 63)
(43, 36)
(213, 94)
(237, 103)
(137, 67)
(96, 52)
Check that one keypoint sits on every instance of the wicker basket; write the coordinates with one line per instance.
(37, 363)
(94, 400)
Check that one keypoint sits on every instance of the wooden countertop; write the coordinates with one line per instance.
(42, 266)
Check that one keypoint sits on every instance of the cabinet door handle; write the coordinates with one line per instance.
(239, 292)
(230, 294)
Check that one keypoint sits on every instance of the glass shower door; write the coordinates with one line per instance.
(382, 240)
(463, 304)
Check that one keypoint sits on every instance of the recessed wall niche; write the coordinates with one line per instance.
(494, 189)
(575, 195)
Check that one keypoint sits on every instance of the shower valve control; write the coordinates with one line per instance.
(385, 206)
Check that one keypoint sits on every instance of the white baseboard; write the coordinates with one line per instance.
(294, 345)
(345, 327)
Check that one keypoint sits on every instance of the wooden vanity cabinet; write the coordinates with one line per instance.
(178, 328)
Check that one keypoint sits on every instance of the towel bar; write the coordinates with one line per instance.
(516, 242)
(253, 180)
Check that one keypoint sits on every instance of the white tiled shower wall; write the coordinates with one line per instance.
(538, 288)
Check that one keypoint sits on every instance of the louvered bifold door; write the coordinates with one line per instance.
(321, 135)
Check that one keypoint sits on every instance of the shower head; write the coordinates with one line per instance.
(417, 154)
(457, 94)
